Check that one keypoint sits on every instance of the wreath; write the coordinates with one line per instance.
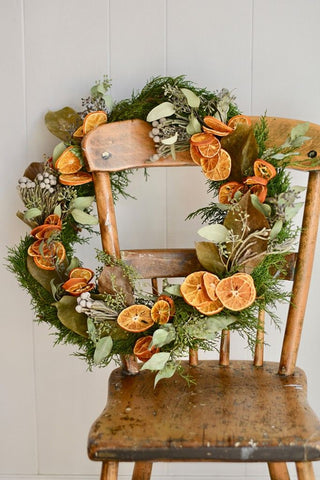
(248, 229)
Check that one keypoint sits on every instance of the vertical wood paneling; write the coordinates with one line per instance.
(17, 407)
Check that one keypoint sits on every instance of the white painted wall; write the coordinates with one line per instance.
(51, 53)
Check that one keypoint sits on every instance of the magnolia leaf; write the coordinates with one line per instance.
(209, 257)
(74, 321)
(299, 130)
(75, 263)
(242, 147)
(57, 210)
(44, 277)
(57, 151)
(53, 288)
(81, 203)
(103, 349)
(163, 336)
(32, 213)
(92, 332)
(292, 211)
(157, 361)
(62, 123)
(217, 233)
(192, 99)
(276, 229)
(83, 218)
(264, 208)
(33, 169)
(170, 140)
(112, 280)
(166, 372)
(165, 109)
(173, 289)
(193, 126)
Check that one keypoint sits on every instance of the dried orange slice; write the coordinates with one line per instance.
(160, 312)
(75, 179)
(79, 132)
(141, 349)
(234, 121)
(68, 162)
(210, 150)
(53, 253)
(44, 231)
(202, 138)
(227, 191)
(33, 249)
(255, 181)
(221, 170)
(210, 307)
(195, 154)
(236, 292)
(93, 120)
(210, 282)
(80, 272)
(171, 303)
(53, 219)
(136, 318)
(45, 263)
(193, 289)
(216, 126)
(264, 169)
(76, 286)
(260, 191)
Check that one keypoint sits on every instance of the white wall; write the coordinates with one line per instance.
(51, 53)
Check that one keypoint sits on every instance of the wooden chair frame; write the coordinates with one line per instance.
(106, 152)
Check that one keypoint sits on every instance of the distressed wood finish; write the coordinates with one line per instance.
(142, 471)
(278, 471)
(305, 471)
(109, 471)
(235, 413)
(224, 356)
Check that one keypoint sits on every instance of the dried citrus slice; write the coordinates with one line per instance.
(210, 150)
(193, 290)
(44, 231)
(227, 191)
(33, 249)
(202, 138)
(45, 263)
(260, 191)
(236, 292)
(80, 272)
(264, 169)
(210, 282)
(141, 349)
(216, 126)
(136, 318)
(52, 254)
(75, 179)
(234, 121)
(221, 170)
(53, 219)
(210, 307)
(68, 162)
(195, 154)
(79, 132)
(76, 286)
(255, 181)
(160, 312)
(93, 120)
(171, 303)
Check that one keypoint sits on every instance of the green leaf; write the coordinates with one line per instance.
(299, 130)
(209, 257)
(108, 101)
(292, 211)
(157, 361)
(83, 218)
(163, 336)
(32, 213)
(81, 202)
(58, 151)
(170, 140)
(53, 288)
(173, 289)
(63, 123)
(192, 99)
(207, 328)
(264, 208)
(74, 321)
(91, 330)
(215, 233)
(44, 277)
(193, 126)
(173, 151)
(165, 109)
(103, 349)
(57, 210)
(166, 372)
(75, 263)
(276, 229)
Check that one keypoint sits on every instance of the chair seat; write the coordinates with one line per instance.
(234, 413)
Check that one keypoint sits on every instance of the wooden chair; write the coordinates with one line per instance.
(237, 411)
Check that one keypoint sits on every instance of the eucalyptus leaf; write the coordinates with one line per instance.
(92, 332)
(207, 328)
(62, 123)
(192, 99)
(74, 263)
(32, 213)
(173, 289)
(262, 207)
(58, 151)
(282, 156)
(165, 109)
(217, 233)
(103, 349)
(209, 257)
(276, 229)
(170, 140)
(108, 101)
(166, 372)
(157, 361)
(193, 126)
(292, 211)
(53, 288)
(81, 203)
(299, 130)
(57, 210)
(83, 217)
(163, 336)
(74, 321)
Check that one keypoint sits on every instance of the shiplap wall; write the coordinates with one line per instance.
(266, 51)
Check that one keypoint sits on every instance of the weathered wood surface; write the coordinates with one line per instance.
(235, 413)
(123, 145)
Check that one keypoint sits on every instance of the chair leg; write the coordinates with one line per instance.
(305, 471)
(142, 471)
(278, 471)
(109, 471)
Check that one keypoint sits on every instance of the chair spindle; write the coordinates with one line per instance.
(259, 349)
(224, 358)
